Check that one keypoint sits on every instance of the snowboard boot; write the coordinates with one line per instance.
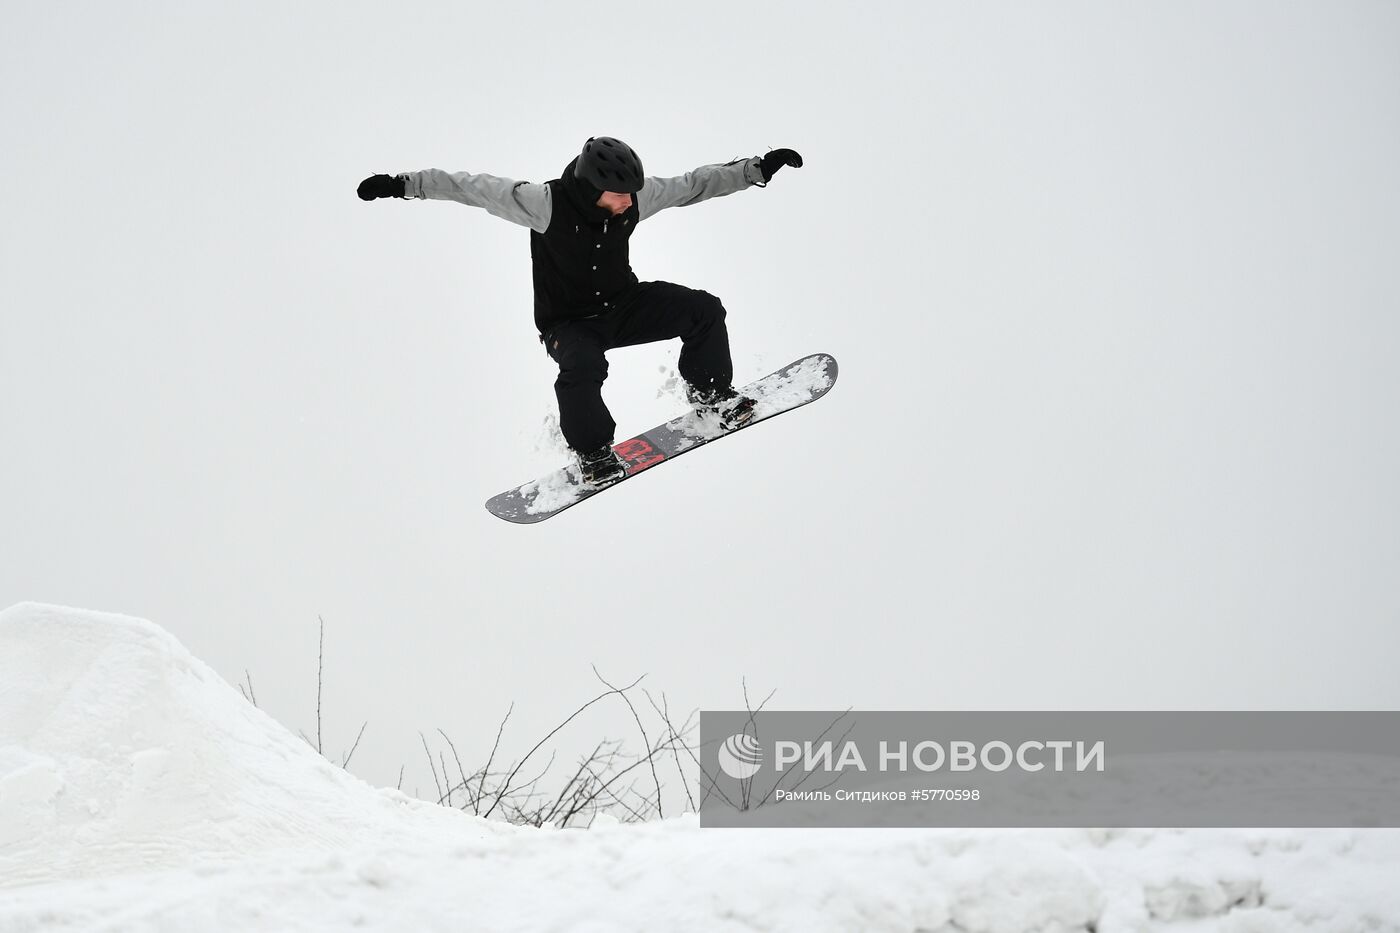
(600, 466)
(734, 410)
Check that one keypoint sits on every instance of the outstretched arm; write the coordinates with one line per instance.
(711, 181)
(520, 202)
(701, 184)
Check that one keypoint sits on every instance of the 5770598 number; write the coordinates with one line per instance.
(924, 794)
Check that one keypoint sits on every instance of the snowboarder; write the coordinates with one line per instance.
(587, 298)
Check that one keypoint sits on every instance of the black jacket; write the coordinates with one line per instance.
(580, 263)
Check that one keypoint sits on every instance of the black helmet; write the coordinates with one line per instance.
(610, 165)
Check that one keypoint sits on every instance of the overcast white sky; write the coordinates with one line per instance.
(1113, 288)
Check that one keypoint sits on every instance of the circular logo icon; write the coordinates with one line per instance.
(740, 756)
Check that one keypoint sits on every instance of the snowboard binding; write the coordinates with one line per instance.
(600, 467)
(734, 410)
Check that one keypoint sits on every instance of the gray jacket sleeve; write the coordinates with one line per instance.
(707, 181)
(520, 202)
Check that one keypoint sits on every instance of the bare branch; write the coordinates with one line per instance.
(320, 667)
(605, 785)
(511, 776)
(646, 742)
(345, 762)
(665, 713)
(431, 765)
(806, 775)
(501, 729)
(582, 766)
(460, 770)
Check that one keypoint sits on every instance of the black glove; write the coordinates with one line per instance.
(380, 186)
(775, 160)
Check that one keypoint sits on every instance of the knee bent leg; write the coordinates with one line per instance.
(581, 365)
(709, 309)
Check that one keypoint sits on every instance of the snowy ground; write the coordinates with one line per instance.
(139, 791)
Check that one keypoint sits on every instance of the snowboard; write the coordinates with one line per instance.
(797, 384)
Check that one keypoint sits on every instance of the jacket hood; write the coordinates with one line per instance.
(583, 195)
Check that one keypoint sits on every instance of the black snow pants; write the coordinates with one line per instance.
(652, 311)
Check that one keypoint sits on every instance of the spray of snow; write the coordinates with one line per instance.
(782, 390)
(672, 386)
(139, 791)
(561, 488)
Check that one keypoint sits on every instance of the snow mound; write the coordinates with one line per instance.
(119, 750)
(136, 784)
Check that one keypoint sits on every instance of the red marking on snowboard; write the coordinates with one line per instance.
(639, 454)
